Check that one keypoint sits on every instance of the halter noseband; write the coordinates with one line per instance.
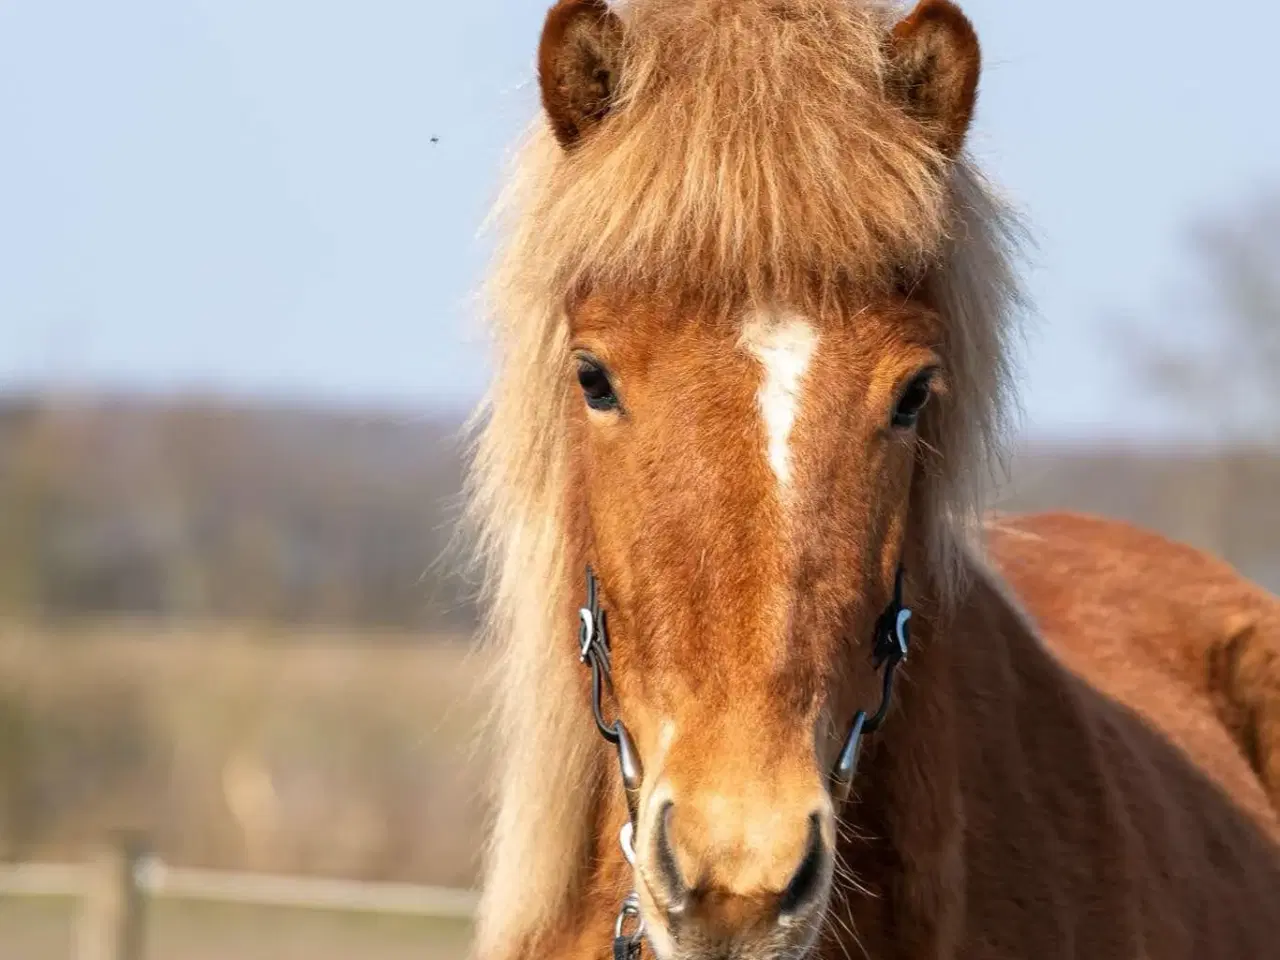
(890, 647)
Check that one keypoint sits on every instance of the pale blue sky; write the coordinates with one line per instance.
(243, 195)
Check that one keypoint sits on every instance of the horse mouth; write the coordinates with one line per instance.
(710, 927)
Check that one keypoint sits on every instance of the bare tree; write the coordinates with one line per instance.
(1227, 378)
(1231, 380)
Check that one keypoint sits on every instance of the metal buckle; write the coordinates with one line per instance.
(630, 910)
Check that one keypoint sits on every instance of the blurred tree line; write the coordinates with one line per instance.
(205, 510)
(1229, 378)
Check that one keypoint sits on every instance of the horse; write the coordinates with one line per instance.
(770, 681)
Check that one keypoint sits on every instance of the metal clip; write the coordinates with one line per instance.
(900, 631)
(587, 633)
(626, 840)
(626, 946)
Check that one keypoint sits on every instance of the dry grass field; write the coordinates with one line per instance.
(238, 748)
(43, 929)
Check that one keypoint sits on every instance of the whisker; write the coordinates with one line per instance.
(844, 872)
(850, 927)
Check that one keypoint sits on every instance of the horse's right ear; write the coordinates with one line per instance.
(578, 61)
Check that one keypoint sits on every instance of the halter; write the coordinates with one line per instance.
(890, 646)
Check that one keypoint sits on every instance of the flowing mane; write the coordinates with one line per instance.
(752, 155)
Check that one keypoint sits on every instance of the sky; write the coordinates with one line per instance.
(283, 198)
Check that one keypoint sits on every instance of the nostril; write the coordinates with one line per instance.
(665, 857)
(805, 882)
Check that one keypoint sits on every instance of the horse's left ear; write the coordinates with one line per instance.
(934, 62)
(578, 61)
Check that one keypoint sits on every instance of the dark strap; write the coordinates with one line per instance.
(593, 650)
(890, 647)
(892, 644)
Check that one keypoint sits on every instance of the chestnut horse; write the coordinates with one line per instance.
(753, 310)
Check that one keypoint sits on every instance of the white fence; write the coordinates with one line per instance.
(111, 893)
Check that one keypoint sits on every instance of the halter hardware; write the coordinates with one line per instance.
(892, 643)
(890, 647)
(593, 650)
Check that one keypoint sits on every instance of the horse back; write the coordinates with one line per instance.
(1171, 632)
(1122, 795)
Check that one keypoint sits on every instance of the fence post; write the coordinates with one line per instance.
(111, 924)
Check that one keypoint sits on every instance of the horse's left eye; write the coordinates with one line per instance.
(596, 386)
(913, 400)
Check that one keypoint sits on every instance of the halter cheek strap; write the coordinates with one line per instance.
(891, 644)
(593, 650)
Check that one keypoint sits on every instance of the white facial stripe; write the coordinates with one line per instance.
(784, 345)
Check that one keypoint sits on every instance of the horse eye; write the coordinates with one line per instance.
(913, 400)
(596, 386)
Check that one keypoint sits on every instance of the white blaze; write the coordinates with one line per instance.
(784, 345)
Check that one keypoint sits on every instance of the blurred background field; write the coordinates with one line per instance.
(39, 928)
(280, 750)
(236, 348)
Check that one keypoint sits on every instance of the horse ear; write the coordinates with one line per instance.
(578, 61)
(934, 62)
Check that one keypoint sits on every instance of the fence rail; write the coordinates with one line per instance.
(154, 878)
(114, 891)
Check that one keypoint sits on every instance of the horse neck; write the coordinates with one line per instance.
(903, 829)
